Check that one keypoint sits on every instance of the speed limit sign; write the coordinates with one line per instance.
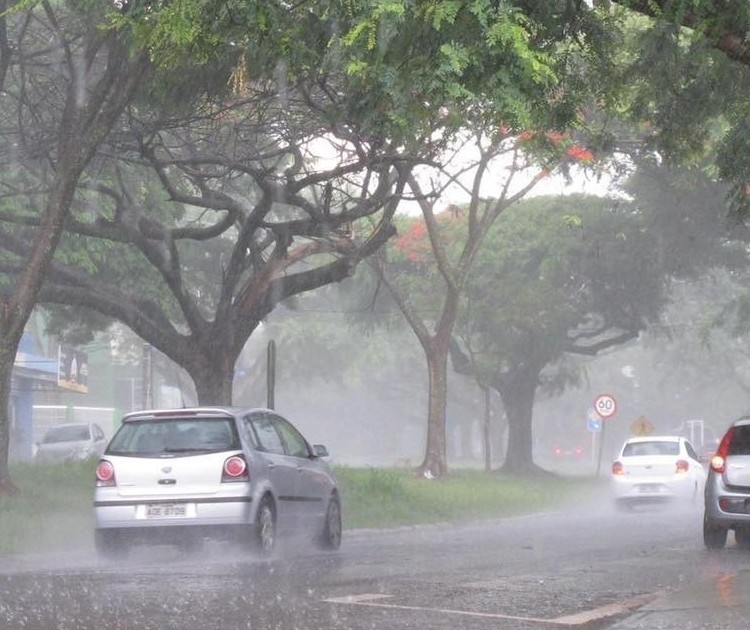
(605, 406)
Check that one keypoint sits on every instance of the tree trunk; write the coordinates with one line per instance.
(435, 460)
(213, 375)
(7, 356)
(487, 430)
(518, 394)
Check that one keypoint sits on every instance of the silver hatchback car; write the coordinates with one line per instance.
(183, 475)
(727, 495)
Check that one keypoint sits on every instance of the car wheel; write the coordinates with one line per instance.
(714, 536)
(265, 526)
(110, 544)
(330, 537)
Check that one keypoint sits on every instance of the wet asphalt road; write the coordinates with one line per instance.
(588, 567)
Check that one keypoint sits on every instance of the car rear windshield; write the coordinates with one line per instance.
(66, 434)
(660, 447)
(175, 436)
(740, 443)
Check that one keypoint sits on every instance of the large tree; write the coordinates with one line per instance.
(431, 263)
(576, 275)
(247, 161)
(64, 80)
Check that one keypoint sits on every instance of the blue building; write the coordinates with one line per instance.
(33, 371)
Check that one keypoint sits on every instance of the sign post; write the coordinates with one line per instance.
(605, 407)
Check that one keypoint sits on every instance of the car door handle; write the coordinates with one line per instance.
(271, 466)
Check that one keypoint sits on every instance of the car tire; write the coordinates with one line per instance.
(265, 526)
(330, 537)
(714, 536)
(110, 544)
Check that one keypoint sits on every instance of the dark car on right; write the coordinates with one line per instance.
(727, 494)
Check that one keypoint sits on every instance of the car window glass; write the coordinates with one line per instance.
(69, 433)
(296, 445)
(249, 432)
(268, 438)
(175, 435)
(691, 450)
(637, 449)
(740, 443)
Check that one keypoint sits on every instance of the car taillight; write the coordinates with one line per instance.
(618, 468)
(682, 466)
(235, 469)
(718, 461)
(105, 473)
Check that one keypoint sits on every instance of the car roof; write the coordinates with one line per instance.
(654, 438)
(189, 412)
(741, 421)
(71, 424)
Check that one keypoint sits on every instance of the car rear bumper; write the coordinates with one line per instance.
(654, 488)
(168, 513)
(727, 506)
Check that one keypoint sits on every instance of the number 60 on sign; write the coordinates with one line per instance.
(605, 406)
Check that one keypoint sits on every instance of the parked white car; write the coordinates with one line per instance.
(657, 468)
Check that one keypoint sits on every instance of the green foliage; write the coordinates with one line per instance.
(402, 67)
(388, 497)
(689, 97)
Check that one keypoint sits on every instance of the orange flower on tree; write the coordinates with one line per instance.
(412, 242)
(579, 153)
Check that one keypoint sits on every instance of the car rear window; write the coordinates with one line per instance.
(635, 449)
(174, 436)
(66, 434)
(740, 443)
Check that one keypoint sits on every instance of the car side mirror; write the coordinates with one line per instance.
(320, 451)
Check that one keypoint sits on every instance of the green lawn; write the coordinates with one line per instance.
(52, 510)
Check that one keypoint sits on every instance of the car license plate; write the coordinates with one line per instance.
(649, 487)
(166, 510)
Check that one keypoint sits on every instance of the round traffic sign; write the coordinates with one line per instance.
(605, 406)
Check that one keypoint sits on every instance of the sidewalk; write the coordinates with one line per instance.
(721, 602)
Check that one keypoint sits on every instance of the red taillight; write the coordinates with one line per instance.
(682, 466)
(235, 469)
(105, 473)
(718, 461)
(618, 468)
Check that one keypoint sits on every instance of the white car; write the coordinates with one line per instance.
(182, 475)
(68, 442)
(657, 468)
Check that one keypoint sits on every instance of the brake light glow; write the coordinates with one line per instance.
(718, 461)
(105, 474)
(235, 469)
(682, 466)
(618, 468)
